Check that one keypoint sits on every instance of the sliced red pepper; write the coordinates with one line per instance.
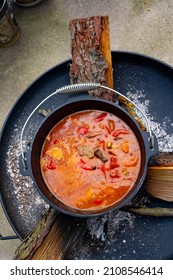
(81, 130)
(100, 117)
(120, 131)
(103, 168)
(51, 165)
(108, 130)
(82, 161)
(113, 163)
(103, 144)
(85, 166)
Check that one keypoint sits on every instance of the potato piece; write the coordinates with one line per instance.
(55, 153)
(125, 147)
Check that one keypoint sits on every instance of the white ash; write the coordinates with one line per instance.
(106, 227)
(25, 193)
(103, 232)
(165, 139)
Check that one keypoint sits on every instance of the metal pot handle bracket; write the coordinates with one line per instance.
(8, 237)
(79, 88)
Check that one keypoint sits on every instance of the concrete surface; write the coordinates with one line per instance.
(136, 25)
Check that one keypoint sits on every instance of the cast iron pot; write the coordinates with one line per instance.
(75, 105)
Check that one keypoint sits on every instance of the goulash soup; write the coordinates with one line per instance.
(90, 160)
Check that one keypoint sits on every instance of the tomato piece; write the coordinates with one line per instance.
(113, 163)
(114, 174)
(98, 201)
(81, 130)
(100, 117)
(120, 131)
(51, 165)
(56, 141)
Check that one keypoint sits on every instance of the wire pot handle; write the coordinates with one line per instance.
(78, 88)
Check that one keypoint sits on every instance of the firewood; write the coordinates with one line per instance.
(35, 238)
(61, 237)
(91, 54)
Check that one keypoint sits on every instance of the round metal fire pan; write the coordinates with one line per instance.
(146, 80)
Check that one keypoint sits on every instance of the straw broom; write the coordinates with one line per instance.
(159, 182)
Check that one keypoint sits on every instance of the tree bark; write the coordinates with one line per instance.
(62, 236)
(32, 242)
(91, 54)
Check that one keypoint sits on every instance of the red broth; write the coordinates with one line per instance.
(90, 160)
